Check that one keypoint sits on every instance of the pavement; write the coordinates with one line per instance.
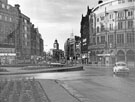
(56, 93)
(53, 91)
(34, 90)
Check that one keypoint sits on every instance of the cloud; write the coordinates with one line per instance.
(59, 11)
(55, 18)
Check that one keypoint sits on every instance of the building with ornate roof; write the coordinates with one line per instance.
(112, 32)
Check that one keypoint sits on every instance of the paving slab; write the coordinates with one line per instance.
(56, 93)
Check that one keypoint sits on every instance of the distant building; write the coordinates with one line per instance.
(23, 40)
(56, 53)
(72, 48)
(85, 35)
(36, 44)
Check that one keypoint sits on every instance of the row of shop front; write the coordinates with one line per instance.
(9, 56)
(109, 56)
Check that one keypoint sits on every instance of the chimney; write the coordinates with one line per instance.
(17, 6)
(100, 1)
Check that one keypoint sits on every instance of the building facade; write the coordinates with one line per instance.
(85, 31)
(15, 35)
(37, 44)
(57, 55)
(112, 32)
(72, 49)
(9, 27)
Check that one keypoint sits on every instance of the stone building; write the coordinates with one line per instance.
(85, 31)
(112, 34)
(15, 35)
(9, 27)
(72, 48)
(36, 44)
(57, 54)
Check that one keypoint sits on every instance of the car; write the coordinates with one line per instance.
(120, 67)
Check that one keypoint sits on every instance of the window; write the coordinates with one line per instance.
(120, 38)
(102, 18)
(130, 0)
(94, 40)
(8, 7)
(102, 39)
(10, 19)
(110, 16)
(130, 37)
(25, 28)
(6, 18)
(110, 38)
(25, 21)
(97, 19)
(123, 1)
(3, 5)
(0, 17)
(97, 29)
(98, 41)
(130, 13)
(130, 24)
(25, 35)
(121, 14)
(102, 27)
(119, 1)
(120, 25)
(110, 26)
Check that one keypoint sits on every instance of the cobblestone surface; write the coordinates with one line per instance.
(23, 90)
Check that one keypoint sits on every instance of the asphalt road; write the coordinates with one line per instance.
(94, 84)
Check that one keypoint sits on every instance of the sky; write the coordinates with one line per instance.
(55, 19)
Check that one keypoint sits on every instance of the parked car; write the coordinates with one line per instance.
(120, 67)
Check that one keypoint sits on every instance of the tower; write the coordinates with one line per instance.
(56, 45)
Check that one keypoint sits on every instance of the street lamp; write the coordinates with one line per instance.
(125, 34)
(106, 14)
(115, 34)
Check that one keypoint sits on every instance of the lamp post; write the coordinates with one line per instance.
(125, 34)
(106, 14)
(115, 35)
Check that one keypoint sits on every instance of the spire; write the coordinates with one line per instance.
(72, 34)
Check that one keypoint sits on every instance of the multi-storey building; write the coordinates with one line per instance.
(15, 35)
(72, 48)
(112, 32)
(36, 44)
(9, 27)
(41, 47)
(56, 53)
(85, 35)
(23, 44)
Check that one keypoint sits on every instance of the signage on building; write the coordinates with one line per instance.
(97, 46)
(7, 50)
(105, 55)
(7, 54)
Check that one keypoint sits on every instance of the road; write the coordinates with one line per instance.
(94, 84)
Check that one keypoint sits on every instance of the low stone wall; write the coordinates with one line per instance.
(60, 69)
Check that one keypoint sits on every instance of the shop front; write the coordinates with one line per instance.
(7, 56)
